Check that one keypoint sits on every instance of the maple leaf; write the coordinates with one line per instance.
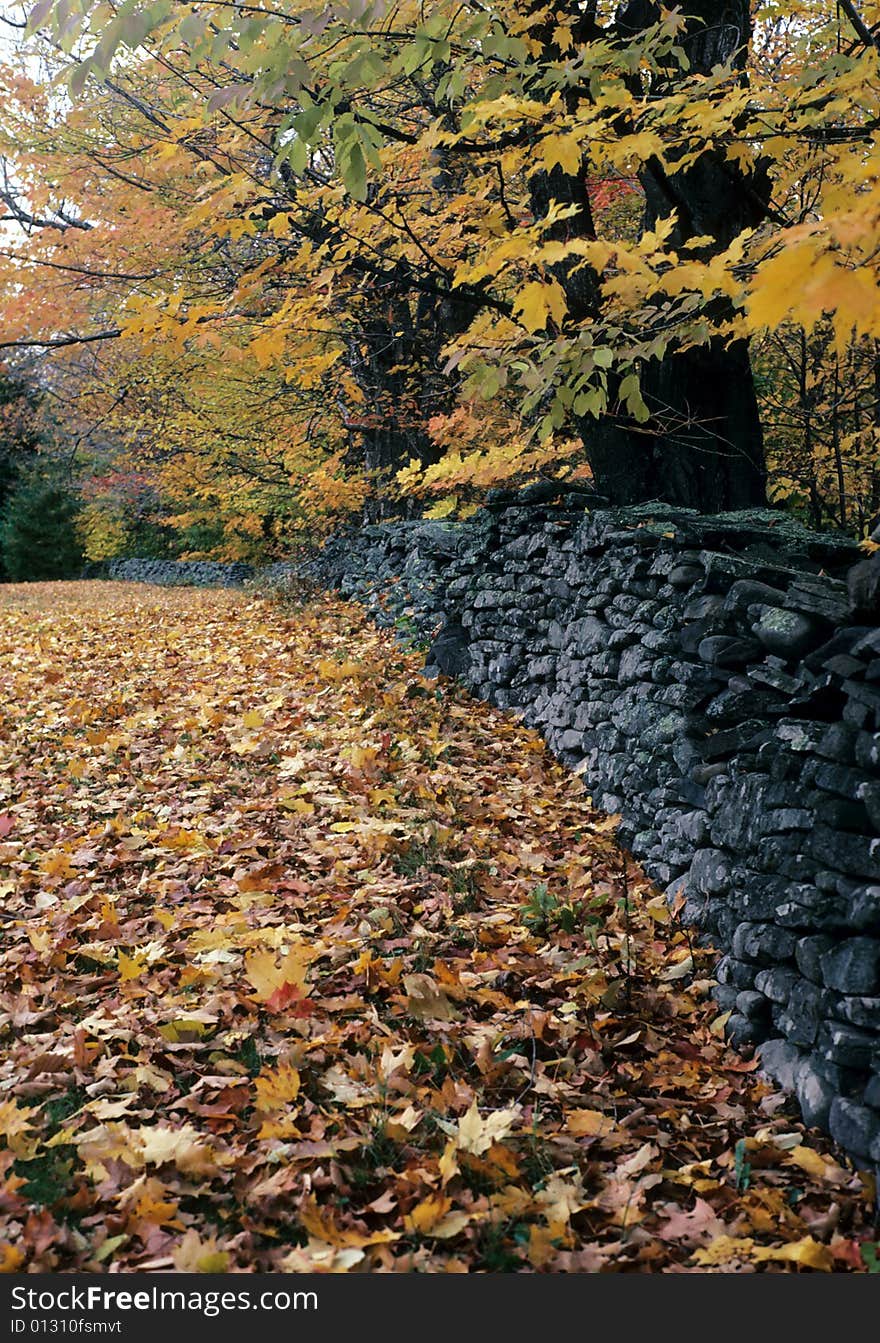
(475, 1134)
(11, 1257)
(16, 1127)
(425, 1000)
(818, 1166)
(320, 1223)
(185, 1148)
(194, 1255)
(590, 1123)
(281, 984)
(564, 150)
(697, 1226)
(806, 1253)
(130, 967)
(724, 1249)
(278, 1089)
(537, 302)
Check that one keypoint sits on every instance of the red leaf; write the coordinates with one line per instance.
(284, 998)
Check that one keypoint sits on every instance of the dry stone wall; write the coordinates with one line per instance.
(175, 573)
(718, 685)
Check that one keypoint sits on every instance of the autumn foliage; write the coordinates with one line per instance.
(295, 978)
(294, 265)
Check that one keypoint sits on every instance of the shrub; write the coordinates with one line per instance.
(38, 534)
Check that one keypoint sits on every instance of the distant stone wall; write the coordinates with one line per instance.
(712, 681)
(177, 573)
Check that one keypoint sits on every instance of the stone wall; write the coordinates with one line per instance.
(713, 682)
(190, 573)
(174, 573)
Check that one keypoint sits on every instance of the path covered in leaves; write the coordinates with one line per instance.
(310, 963)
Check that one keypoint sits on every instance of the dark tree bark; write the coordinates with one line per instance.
(703, 447)
(616, 456)
(395, 358)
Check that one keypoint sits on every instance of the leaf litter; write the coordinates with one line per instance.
(310, 963)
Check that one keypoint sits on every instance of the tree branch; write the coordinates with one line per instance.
(56, 342)
(864, 32)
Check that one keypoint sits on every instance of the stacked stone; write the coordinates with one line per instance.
(711, 681)
(180, 573)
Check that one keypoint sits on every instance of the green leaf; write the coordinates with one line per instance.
(354, 173)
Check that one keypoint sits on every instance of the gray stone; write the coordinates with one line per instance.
(847, 1045)
(587, 635)
(855, 1127)
(853, 967)
(728, 650)
(776, 983)
(740, 1031)
(863, 586)
(865, 908)
(753, 1005)
(710, 872)
(814, 1092)
(867, 750)
(809, 952)
(805, 1009)
(780, 1059)
(763, 943)
(736, 973)
(786, 633)
(859, 1011)
(685, 575)
(748, 592)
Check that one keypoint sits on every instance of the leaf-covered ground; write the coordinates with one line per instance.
(310, 963)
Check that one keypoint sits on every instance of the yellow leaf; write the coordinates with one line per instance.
(448, 1163)
(267, 974)
(130, 967)
(723, 1249)
(565, 150)
(425, 1215)
(58, 864)
(337, 671)
(15, 1127)
(443, 508)
(476, 1135)
(589, 1123)
(808, 1253)
(279, 225)
(319, 1222)
(544, 1242)
(184, 1147)
(538, 301)
(194, 1255)
(11, 1258)
(278, 1089)
(452, 1225)
(818, 1166)
(183, 1031)
(42, 943)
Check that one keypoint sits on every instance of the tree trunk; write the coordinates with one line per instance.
(395, 358)
(703, 447)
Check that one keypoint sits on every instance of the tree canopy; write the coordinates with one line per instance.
(280, 263)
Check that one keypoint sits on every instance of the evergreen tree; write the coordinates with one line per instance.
(38, 537)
